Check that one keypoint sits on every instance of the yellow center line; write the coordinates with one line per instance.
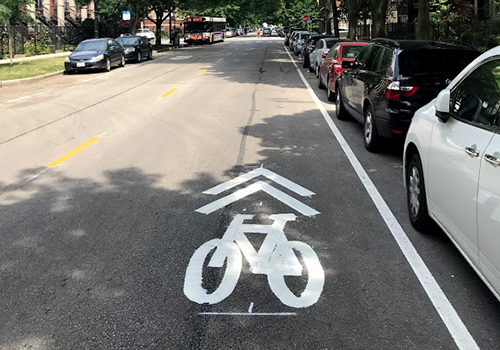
(202, 71)
(73, 152)
(230, 53)
(168, 93)
(220, 59)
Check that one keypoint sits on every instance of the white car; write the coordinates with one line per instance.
(452, 165)
(145, 32)
(319, 53)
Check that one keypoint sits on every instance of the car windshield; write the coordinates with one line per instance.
(128, 41)
(351, 51)
(434, 61)
(91, 46)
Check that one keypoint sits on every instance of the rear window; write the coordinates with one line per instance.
(330, 43)
(351, 51)
(434, 61)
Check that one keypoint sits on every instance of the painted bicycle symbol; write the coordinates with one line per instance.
(275, 258)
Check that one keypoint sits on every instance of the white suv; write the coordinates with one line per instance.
(452, 165)
(145, 32)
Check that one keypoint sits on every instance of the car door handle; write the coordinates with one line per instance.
(492, 159)
(472, 151)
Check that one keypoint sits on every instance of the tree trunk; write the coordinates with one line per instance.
(380, 10)
(328, 17)
(11, 45)
(135, 22)
(352, 14)
(335, 18)
(424, 23)
(158, 22)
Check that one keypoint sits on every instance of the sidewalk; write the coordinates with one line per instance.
(37, 57)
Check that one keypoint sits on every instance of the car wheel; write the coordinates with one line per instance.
(330, 94)
(311, 68)
(108, 64)
(370, 132)
(339, 106)
(305, 64)
(150, 55)
(122, 61)
(138, 57)
(68, 72)
(416, 196)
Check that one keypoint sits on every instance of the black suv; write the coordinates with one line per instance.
(391, 79)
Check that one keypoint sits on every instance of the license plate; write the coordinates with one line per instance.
(80, 64)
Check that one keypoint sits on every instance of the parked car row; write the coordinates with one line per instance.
(443, 101)
(104, 53)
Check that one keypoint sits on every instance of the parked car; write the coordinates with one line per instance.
(390, 80)
(331, 67)
(289, 34)
(95, 54)
(229, 33)
(452, 165)
(299, 44)
(297, 36)
(145, 32)
(136, 48)
(320, 51)
(266, 31)
(308, 47)
(293, 39)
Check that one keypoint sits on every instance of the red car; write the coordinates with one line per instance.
(331, 67)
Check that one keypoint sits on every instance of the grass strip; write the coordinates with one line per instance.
(33, 68)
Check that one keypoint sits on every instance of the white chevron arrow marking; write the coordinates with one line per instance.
(256, 187)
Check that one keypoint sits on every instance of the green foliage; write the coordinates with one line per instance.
(38, 43)
(292, 11)
(13, 11)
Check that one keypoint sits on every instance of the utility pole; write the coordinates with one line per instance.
(96, 18)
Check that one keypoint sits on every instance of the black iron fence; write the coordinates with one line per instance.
(40, 39)
(481, 35)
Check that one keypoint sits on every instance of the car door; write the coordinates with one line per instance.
(488, 211)
(327, 64)
(144, 45)
(349, 74)
(112, 51)
(314, 53)
(364, 79)
(456, 154)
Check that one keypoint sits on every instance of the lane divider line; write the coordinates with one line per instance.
(463, 339)
(168, 93)
(220, 59)
(25, 97)
(229, 54)
(202, 71)
(73, 152)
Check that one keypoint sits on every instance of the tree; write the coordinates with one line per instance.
(13, 12)
(424, 22)
(379, 14)
(162, 9)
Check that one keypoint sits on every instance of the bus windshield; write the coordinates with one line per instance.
(190, 27)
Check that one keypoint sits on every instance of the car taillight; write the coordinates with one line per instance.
(198, 37)
(324, 54)
(394, 91)
(338, 68)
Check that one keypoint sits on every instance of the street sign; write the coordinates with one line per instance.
(306, 19)
(126, 15)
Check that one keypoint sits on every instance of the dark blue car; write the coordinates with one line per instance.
(92, 54)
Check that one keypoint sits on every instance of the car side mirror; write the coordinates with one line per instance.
(347, 64)
(442, 105)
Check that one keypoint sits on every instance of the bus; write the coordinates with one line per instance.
(204, 30)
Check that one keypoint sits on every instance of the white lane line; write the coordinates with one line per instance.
(247, 314)
(37, 175)
(250, 308)
(446, 311)
(25, 97)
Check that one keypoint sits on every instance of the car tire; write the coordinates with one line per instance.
(122, 61)
(305, 64)
(311, 68)
(150, 55)
(370, 132)
(339, 106)
(329, 93)
(68, 72)
(416, 195)
(108, 65)
(138, 57)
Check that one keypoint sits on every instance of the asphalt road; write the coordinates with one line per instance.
(105, 223)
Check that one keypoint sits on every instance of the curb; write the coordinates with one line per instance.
(20, 81)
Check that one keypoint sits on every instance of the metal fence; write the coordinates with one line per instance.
(32, 40)
(481, 35)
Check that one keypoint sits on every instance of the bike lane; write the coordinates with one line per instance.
(360, 291)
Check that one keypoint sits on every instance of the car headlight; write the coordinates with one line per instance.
(129, 50)
(67, 59)
(97, 58)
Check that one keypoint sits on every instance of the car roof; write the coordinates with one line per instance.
(420, 44)
(97, 39)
